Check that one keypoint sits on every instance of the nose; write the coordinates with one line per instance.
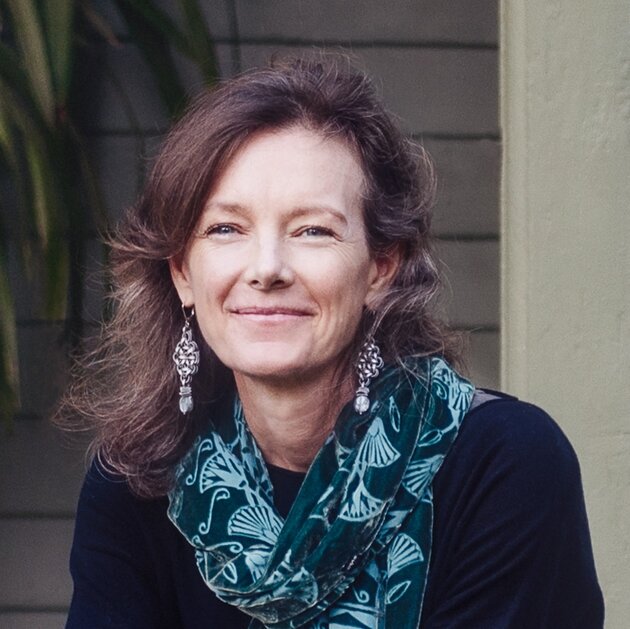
(268, 267)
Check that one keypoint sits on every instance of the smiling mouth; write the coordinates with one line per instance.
(270, 314)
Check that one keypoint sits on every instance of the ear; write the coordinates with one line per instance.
(180, 274)
(384, 268)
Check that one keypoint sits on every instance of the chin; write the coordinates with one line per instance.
(283, 366)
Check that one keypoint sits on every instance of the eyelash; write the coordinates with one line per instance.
(217, 230)
(323, 231)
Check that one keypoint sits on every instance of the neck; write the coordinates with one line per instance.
(291, 423)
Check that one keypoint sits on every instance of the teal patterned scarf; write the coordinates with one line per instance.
(354, 550)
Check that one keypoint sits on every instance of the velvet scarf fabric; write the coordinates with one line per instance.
(354, 550)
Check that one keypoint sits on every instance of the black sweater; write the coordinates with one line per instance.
(511, 546)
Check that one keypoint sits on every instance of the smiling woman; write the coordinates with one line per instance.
(325, 466)
(279, 241)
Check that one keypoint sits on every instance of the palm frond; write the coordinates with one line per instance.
(58, 18)
(201, 45)
(34, 59)
(44, 153)
(151, 36)
(9, 372)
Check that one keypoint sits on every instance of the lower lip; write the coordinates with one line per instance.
(271, 318)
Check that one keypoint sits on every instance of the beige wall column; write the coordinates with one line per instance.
(565, 100)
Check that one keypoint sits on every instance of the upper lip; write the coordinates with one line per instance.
(270, 310)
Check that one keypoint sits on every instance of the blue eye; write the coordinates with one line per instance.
(316, 231)
(223, 229)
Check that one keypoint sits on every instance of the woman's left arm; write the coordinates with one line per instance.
(511, 540)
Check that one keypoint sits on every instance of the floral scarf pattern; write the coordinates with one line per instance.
(354, 550)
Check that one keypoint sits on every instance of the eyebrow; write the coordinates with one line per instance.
(230, 208)
(297, 212)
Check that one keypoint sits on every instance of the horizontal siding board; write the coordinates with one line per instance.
(482, 359)
(26, 285)
(94, 284)
(32, 620)
(373, 20)
(43, 367)
(40, 472)
(215, 12)
(438, 91)
(119, 162)
(468, 186)
(34, 558)
(471, 283)
(433, 91)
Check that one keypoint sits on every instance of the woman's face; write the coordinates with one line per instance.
(279, 268)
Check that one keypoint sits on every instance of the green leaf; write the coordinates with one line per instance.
(60, 212)
(94, 198)
(97, 22)
(58, 23)
(7, 144)
(152, 16)
(43, 150)
(9, 373)
(9, 153)
(201, 45)
(152, 37)
(57, 261)
(30, 37)
(33, 175)
(15, 86)
(42, 196)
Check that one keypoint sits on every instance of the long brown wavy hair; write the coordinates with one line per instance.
(126, 390)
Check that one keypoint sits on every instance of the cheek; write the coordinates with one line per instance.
(342, 287)
(212, 277)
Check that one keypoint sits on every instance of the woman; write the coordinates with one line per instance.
(280, 438)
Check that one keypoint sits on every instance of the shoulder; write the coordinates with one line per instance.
(510, 525)
(113, 524)
(503, 426)
(107, 504)
(508, 444)
(123, 556)
(105, 487)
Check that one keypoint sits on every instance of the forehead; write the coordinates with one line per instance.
(292, 165)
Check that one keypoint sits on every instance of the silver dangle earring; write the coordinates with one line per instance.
(186, 359)
(368, 366)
